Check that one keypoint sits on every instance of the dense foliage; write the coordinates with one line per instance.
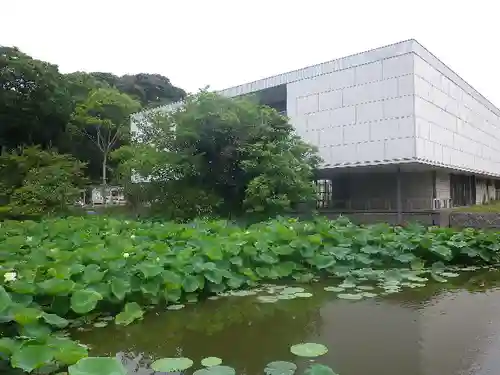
(35, 102)
(214, 154)
(35, 182)
(59, 273)
(38, 103)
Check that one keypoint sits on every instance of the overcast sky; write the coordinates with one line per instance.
(223, 43)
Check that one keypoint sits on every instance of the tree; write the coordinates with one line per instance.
(150, 89)
(35, 181)
(104, 118)
(235, 154)
(35, 104)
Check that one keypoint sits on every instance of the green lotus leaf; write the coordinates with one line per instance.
(26, 315)
(309, 349)
(131, 312)
(172, 364)
(55, 320)
(318, 369)
(303, 295)
(5, 300)
(120, 288)
(211, 361)
(97, 366)
(449, 274)
(365, 287)
(84, 301)
(335, 289)
(56, 287)
(191, 284)
(67, 351)
(280, 368)
(31, 357)
(351, 296)
(7, 347)
(293, 290)
(216, 370)
(175, 307)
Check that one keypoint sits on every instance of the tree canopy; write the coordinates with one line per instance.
(35, 102)
(39, 106)
(228, 156)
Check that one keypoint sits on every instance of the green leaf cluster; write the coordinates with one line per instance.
(58, 272)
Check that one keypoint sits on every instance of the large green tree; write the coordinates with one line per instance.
(104, 118)
(151, 90)
(223, 155)
(35, 103)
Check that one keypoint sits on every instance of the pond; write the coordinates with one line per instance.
(442, 329)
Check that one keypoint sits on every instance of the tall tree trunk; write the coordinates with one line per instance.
(104, 170)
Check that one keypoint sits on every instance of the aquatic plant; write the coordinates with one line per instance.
(63, 273)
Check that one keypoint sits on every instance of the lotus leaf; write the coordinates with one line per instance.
(350, 296)
(318, 369)
(31, 357)
(97, 366)
(175, 307)
(365, 287)
(132, 311)
(211, 361)
(216, 370)
(172, 364)
(309, 349)
(303, 295)
(84, 301)
(280, 368)
(267, 299)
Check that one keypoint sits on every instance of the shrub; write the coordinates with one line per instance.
(35, 182)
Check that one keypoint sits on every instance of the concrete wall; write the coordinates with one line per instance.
(454, 128)
(362, 114)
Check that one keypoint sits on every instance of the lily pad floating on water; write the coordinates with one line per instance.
(172, 364)
(303, 295)
(350, 296)
(216, 370)
(242, 293)
(211, 361)
(280, 368)
(175, 307)
(449, 274)
(286, 296)
(293, 290)
(267, 299)
(335, 289)
(309, 349)
(318, 369)
(101, 324)
(365, 287)
(97, 366)
(369, 294)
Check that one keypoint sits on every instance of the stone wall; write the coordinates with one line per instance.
(474, 220)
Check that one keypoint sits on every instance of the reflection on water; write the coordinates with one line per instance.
(451, 329)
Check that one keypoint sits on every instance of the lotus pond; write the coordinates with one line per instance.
(281, 297)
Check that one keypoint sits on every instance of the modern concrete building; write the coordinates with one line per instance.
(397, 129)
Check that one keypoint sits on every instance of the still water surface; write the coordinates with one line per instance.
(450, 329)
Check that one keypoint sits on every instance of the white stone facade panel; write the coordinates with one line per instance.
(455, 128)
(364, 114)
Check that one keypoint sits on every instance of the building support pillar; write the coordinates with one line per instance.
(399, 201)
